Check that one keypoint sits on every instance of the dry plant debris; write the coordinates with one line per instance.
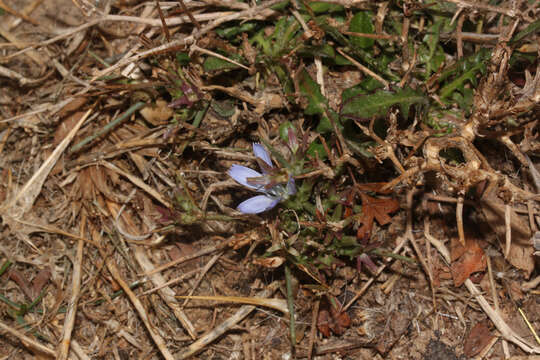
(394, 212)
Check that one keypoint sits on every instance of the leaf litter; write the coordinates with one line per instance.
(409, 131)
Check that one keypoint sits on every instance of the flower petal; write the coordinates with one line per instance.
(257, 204)
(240, 174)
(291, 186)
(262, 154)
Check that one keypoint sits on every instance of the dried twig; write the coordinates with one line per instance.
(225, 326)
(69, 322)
(29, 342)
(364, 69)
(158, 340)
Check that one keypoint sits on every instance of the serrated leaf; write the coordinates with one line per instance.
(377, 104)
(459, 82)
(362, 23)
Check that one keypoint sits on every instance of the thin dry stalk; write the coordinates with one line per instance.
(499, 322)
(23, 81)
(14, 12)
(246, 14)
(459, 220)
(164, 291)
(459, 37)
(24, 199)
(158, 340)
(401, 243)
(410, 236)
(496, 302)
(137, 182)
(221, 329)
(206, 268)
(78, 350)
(508, 230)
(69, 322)
(313, 331)
(26, 341)
(364, 69)
(487, 348)
(194, 48)
(202, 252)
(480, 6)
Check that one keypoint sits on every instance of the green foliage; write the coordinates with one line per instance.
(213, 63)
(232, 31)
(362, 23)
(312, 91)
(183, 58)
(430, 51)
(319, 7)
(364, 106)
(529, 30)
(464, 72)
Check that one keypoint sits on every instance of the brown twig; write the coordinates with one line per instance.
(459, 220)
(313, 331)
(364, 69)
(244, 311)
(158, 340)
(28, 342)
(486, 7)
(69, 322)
(18, 14)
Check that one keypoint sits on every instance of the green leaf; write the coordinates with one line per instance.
(231, 32)
(284, 130)
(324, 126)
(459, 82)
(435, 55)
(319, 7)
(223, 108)
(366, 86)
(182, 58)
(310, 89)
(324, 51)
(377, 104)
(317, 149)
(213, 63)
(362, 23)
(531, 29)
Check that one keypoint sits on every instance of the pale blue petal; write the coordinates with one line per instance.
(240, 174)
(257, 204)
(291, 187)
(262, 154)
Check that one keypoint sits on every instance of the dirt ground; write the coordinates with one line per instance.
(398, 193)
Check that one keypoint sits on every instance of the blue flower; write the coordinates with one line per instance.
(268, 183)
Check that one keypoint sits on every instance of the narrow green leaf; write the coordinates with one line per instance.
(531, 29)
(362, 23)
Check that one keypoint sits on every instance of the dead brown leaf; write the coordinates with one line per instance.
(479, 337)
(466, 259)
(332, 319)
(375, 209)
